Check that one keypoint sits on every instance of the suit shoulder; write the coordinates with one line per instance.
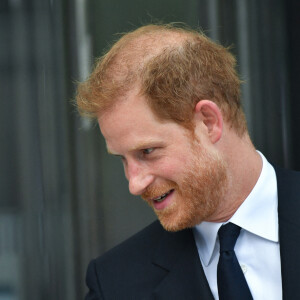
(288, 172)
(287, 178)
(126, 271)
(288, 184)
(140, 244)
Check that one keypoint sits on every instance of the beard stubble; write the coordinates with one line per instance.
(197, 196)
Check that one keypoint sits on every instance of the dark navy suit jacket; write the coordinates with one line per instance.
(156, 264)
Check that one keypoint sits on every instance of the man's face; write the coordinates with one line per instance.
(181, 178)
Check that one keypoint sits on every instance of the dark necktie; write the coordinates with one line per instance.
(232, 284)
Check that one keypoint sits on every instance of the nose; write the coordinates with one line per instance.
(139, 178)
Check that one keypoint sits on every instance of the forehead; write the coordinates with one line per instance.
(130, 114)
(131, 122)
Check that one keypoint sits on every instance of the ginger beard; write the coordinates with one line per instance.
(198, 195)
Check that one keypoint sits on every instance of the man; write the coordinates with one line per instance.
(168, 104)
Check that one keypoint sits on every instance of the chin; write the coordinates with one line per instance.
(177, 226)
(176, 222)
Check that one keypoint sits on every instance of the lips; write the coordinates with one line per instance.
(162, 197)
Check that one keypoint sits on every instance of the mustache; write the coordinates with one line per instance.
(157, 190)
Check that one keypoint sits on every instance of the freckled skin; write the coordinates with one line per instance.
(160, 156)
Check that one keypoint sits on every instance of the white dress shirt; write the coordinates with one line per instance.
(257, 247)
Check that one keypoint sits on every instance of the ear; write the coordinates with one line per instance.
(209, 114)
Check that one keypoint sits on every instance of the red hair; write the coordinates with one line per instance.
(173, 68)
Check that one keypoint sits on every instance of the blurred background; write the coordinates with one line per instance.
(63, 200)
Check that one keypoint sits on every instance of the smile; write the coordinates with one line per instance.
(162, 197)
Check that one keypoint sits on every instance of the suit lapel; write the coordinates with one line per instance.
(185, 279)
(289, 231)
(177, 253)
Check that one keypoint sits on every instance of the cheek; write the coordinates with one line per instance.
(172, 169)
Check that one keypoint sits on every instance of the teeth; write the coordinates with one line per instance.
(162, 197)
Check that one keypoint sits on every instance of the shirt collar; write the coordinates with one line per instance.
(257, 214)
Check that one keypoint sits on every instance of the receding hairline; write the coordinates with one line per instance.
(132, 59)
(156, 38)
(136, 48)
(154, 31)
(147, 42)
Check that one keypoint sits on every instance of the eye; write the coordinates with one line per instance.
(148, 150)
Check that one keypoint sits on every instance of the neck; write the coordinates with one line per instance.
(244, 168)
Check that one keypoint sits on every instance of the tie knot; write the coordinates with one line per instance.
(228, 235)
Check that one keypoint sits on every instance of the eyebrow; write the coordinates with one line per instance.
(144, 145)
(140, 146)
